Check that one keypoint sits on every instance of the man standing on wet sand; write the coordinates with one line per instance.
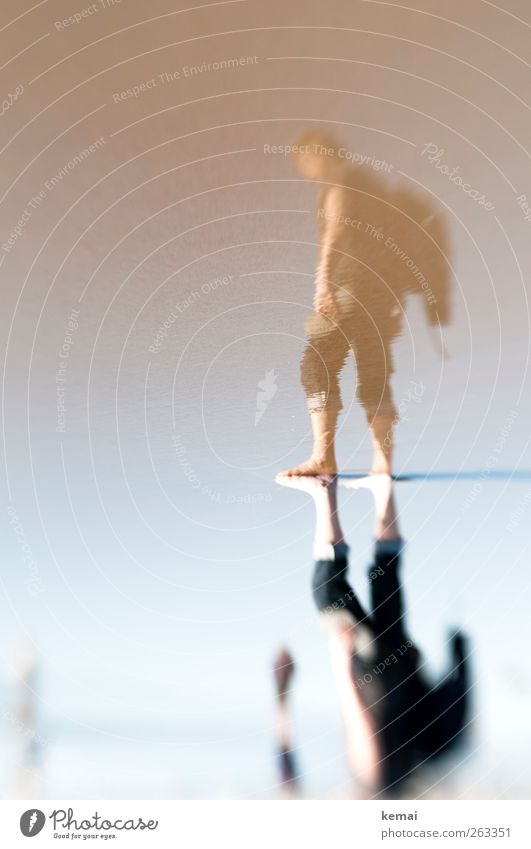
(377, 244)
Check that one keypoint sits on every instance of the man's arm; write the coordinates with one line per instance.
(329, 214)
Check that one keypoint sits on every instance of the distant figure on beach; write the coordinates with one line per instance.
(24, 720)
(396, 721)
(283, 672)
(377, 244)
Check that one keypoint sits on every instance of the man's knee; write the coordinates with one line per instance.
(376, 400)
(320, 383)
(330, 589)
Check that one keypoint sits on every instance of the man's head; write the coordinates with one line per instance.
(317, 156)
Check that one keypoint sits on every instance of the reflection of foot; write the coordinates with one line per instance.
(312, 484)
(313, 467)
(381, 487)
(377, 483)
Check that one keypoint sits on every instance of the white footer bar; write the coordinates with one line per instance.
(265, 824)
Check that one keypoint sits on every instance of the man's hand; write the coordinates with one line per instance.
(324, 302)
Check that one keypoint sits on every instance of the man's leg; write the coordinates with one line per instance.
(386, 593)
(346, 623)
(371, 343)
(397, 657)
(331, 590)
(321, 364)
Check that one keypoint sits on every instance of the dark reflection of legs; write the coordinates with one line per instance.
(387, 604)
(394, 719)
(348, 627)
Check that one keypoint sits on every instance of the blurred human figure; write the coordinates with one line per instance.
(395, 720)
(377, 244)
(27, 778)
(283, 671)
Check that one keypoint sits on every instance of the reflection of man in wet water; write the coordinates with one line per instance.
(377, 244)
(395, 721)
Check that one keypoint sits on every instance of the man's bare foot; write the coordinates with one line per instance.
(312, 484)
(313, 468)
(323, 457)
